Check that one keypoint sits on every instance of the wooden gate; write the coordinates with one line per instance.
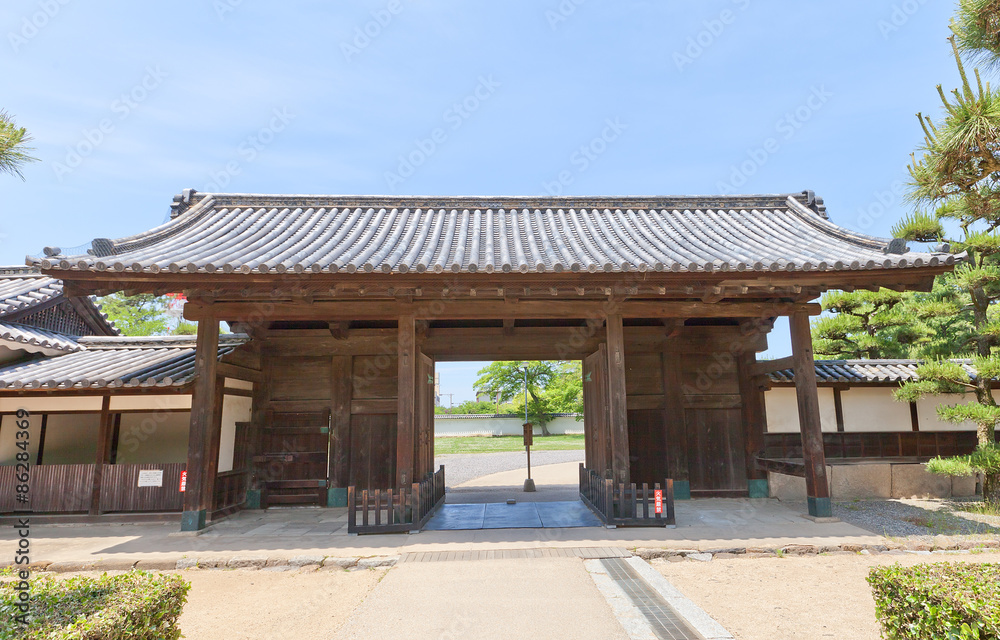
(423, 458)
(595, 411)
(295, 457)
(716, 456)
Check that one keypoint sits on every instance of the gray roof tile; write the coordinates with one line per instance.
(248, 233)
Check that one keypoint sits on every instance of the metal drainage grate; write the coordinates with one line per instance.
(585, 553)
(666, 623)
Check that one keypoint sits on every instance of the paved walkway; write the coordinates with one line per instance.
(523, 515)
(488, 599)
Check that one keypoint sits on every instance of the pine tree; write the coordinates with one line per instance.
(14, 152)
(959, 173)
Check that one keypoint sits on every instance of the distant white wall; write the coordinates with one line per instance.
(782, 410)
(71, 438)
(488, 426)
(865, 409)
(234, 409)
(8, 437)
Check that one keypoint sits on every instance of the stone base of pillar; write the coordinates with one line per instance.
(758, 488)
(193, 520)
(820, 507)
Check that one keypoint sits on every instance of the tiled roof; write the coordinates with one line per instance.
(115, 361)
(248, 233)
(21, 288)
(864, 371)
(25, 289)
(19, 336)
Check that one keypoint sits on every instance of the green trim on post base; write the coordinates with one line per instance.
(253, 499)
(758, 488)
(820, 507)
(682, 490)
(193, 520)
(336, 497)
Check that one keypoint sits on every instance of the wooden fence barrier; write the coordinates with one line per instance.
(627, 505)
(394, 511)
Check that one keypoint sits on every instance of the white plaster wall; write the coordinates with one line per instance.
(71, 438)
(500, 426)
(782, 410)
(155, 437)
(927, 413)
(874, 409)
(234, 409)
(8, 437)
(40, 404)
(142, 401)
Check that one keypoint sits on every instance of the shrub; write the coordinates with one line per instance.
(134, 605)
(942, 601)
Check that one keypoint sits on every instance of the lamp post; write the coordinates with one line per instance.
(529, 484)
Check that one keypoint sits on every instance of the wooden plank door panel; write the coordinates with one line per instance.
(716, 460)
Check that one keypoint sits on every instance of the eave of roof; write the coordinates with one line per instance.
(863, 371)
(25, 290)
(32, 339)
(259, 234)
(110, 362)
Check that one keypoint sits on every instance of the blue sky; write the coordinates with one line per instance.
(131, 102)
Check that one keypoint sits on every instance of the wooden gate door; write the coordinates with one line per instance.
(423, 455)
(293, 449)
(716, 455)
(597, 435)
(296, 454)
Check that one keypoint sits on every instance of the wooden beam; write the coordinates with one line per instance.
(238, 372)
(202, 420)
(214, 443)
(340, 425)
(405, 399)
(783, 467)
(508, 326)
(764, 367)
(103, 447)
(817, 485)
(339, 329)
(617, 401)
(489, 309)
(753, 417)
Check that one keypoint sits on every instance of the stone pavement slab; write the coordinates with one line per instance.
(485, 600)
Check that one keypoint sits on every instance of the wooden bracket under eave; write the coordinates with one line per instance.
(339, 330)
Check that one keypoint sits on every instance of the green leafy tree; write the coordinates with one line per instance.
(565, 391)
(959, 172)
(14, 149)
(548, 386)
(138, 315)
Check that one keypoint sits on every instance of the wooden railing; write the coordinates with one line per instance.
(394, 511)
(120, 491)
(231, 490)
(921, 445)
(627, 505)
(57, 488)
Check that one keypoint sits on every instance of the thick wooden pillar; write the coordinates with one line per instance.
(617, 408)
(198, 493)
(675, 425)
(817, 485)
(406, 405)
(753, 424)
(103, 454)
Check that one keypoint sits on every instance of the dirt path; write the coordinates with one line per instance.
(261, 605)
(791, 597)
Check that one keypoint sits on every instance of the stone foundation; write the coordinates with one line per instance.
(876, 480)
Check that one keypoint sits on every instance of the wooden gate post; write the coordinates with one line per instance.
(197, 496)
(406, 406)
(103, 457)
(817, 485)
(617, 408)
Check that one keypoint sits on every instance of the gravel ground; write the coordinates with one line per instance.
(921, 518)
(459, 468)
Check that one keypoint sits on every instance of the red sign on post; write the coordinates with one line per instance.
(184, 481)
(658, 500)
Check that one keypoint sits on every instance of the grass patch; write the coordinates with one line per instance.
(982, 508)
(496, 444)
